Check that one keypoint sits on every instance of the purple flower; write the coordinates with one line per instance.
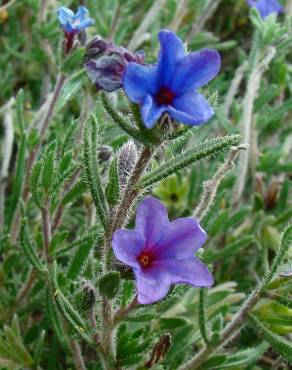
(266, 7)
(170, 86)
(106, 63)
(160, 252)
(74, 23)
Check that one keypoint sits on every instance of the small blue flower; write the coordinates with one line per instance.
(74, 23)
(170, 86)
(266, 7)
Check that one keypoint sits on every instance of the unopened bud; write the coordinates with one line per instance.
(127, 157)
(104, 153)
(159, 351)
(89, 295)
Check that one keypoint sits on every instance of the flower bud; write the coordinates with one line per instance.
(104, 153)
(89, 295)
(127, 157)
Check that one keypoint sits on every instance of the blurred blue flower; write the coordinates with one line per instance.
(74, 23)
(170, 86)
(266, 7)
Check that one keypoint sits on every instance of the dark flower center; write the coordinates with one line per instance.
(164, 96)
(145, 259)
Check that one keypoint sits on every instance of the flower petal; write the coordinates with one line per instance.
(195, 70)
(64, 14)
(188, 271)
(151, 112)
(81, 13)
(191, 108)
(171, 52)
(127, 246)
(151, 219)
(180, 239)
(151, 285)
(139, 81)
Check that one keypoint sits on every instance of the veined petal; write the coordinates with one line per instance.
(180, 239)
(191, 108)
(127, 246)
(139, 81)
(195, 70)
(171, 52)
(151, 285)
(151, 111)
(188, 271)
(151, 219)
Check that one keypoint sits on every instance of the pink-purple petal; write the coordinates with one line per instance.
(195, 70)
(171, 51)
(127, 246)
(139, 81)
(188, 271)
(151, 219)
(151, 286)
(191, 108)
(181, 239)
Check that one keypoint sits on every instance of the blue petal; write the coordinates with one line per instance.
(195, 70)
(152, 285)
(127, 246)
(151, 219)
(191, 108)
(187, 271)
(86, 23)
(171, 52)
(266, 7)
(81, 13)
(151, 112)
(139, 81)
(65, 16)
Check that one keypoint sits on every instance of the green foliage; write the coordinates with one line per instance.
(59, 196)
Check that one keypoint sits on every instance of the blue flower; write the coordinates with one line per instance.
(74, 23)
(170, 86)
(266, 7)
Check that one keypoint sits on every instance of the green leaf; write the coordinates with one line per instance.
(73, 61)
(279, 344)
(54, 318)
(203, 314)
(204, 150)
(230, 250)
(238, 359)
(34, 183)
(68, 311)
(91, 169)
(28, 248)
(112, 190)
(70, 89)
(39, 348)
(48, 167)
(18, 180)
(109, 284)
(15, 343)
(119, 120)
(19, 110)
(75, 193)
(172, 322)
(79, 259)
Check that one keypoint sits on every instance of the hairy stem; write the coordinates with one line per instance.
(210, 186)
(123, 312)
(77, 356)
(246, 120)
